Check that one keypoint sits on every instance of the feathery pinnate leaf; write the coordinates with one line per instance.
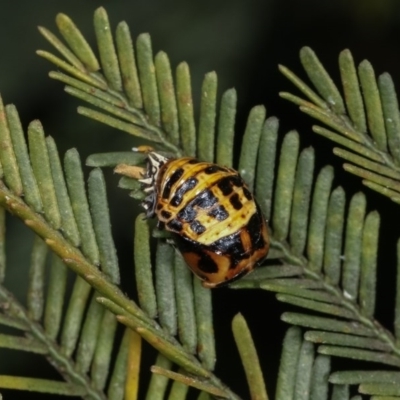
(88, 330)
(91, 336)
(367, 121)
(340, 283)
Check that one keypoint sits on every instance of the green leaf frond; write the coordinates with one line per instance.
(139, 94)
(323, 255)
(305, 374)
(127, 89)
(74, 222)
(364, 119)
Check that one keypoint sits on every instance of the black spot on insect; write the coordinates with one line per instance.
(247, 193)
(219, 213)
(231, 245)
(197, 227)
(212, 169)
(255, 227)
(204, 199)
(226, 244)
(207, 264)
(165, 214)
(254, 224)
(185, 187)
(235, 201)
(159, 206)
(171, 181)
(174, 225)
(237, 180)
(225, 186)
(193, 161)
(187, 214)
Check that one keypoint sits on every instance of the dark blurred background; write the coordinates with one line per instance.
(243, 41)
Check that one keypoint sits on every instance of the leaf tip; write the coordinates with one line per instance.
(144, 37)
(306, 50)
(238, 318)
(62, 18)
(35, 125)
(100, 10)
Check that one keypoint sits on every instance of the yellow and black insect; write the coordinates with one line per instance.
(215, 221)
